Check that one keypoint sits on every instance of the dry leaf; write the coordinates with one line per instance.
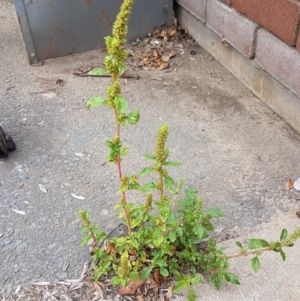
(111, 247)
(151, 283)
(21, 185)
(157, 277)
(1, 234)
(140, 298)
(42, 188)
(289, 184)
(166, 58)
(79, 197)
(162, 66)
(18, 211)
(298, 213)
(98, 291)
(169, 293)
(131, 288)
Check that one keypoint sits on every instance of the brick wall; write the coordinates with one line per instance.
(265, 31)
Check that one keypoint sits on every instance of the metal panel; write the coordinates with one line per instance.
(54, 28)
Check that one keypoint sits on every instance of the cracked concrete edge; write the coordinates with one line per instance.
(274, 94)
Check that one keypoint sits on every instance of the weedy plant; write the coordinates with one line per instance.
(167, 233)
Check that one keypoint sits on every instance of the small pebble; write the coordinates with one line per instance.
(297, 184)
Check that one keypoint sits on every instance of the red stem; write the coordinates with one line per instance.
(120, 173)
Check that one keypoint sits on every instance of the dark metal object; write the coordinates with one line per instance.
(55, 28)
(193, 52)
(6, 143)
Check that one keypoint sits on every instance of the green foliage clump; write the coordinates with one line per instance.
(171, 231)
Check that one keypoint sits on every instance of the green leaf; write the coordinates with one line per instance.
(255, 264)
(150, 157)
(191, 295)
(96, 101)
(215, 279)
(164, 272)
(124, 151)
(97, 71)
(84, 241)
(121, 105)
(148, 186)
(145, 171)
(214, 212)
(239, 244)
(121, 68)
(283, 234)
(232, 278)
(208, 226)
(170, 184)
(157, 238)
(115, 281)
(198, 230)
(166, 152)
(161, 262)
(145, 273)
(133, 276)
(191, 192)
(180, 285)
(257, 243)
(179, 231)
(197, 278)
(172, 236)
(290, 245)
(283, 256)
(133, 117)
(172, 164)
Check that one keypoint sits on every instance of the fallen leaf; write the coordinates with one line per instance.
(21, 185)
(42, 188)
(1, 234)
(162, 66)
(289, 184)
(169, 293)
(167, 57)
(79, 197)
(98, 291)
(151, 283)
(157, 277)
(111, 247)
(18, 211)
(298, 213)
(131, 288)
(140, 298)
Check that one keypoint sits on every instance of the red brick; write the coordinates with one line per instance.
(278, 16)
(236, 29)
(196, 7)
(298, 40)
(279, 59)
